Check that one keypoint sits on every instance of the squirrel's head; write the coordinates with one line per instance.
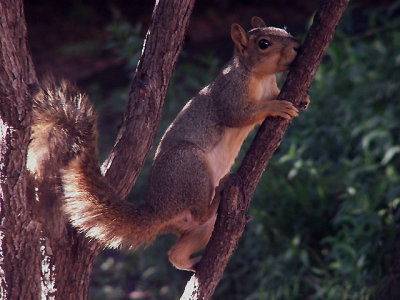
(264, 50)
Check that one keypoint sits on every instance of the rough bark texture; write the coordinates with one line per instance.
(66, 257)
(148, 90)
(241, 186)
(19, 261)
(41, 255)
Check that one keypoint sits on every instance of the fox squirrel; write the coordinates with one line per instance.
(196, 151)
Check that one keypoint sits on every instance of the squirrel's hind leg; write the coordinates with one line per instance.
(189, 243)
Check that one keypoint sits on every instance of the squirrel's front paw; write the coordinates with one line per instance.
(281, 108)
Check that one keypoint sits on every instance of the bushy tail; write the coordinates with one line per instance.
(64, 142)
(63, 127)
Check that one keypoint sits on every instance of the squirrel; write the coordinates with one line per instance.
(197, 150)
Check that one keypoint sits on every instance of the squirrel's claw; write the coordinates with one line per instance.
(304, 104)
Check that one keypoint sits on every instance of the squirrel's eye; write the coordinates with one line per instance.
(263, 44)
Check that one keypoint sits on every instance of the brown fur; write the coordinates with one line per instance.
(63, 126)
(197, 150)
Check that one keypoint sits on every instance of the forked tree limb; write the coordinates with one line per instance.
(240, 187)
(160, 52)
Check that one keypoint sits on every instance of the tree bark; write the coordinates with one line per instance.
(19, 233)
(240, 187)
(41, 255)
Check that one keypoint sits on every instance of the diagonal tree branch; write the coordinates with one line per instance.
(160, 52)
(240, 187)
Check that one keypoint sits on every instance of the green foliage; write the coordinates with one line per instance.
(326, 214)
(125, 39)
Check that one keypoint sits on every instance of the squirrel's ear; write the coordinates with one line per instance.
(257, 22)
(239, 37)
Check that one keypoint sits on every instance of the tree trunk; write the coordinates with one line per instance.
(20, 260)
(240, 187)
(41, 255)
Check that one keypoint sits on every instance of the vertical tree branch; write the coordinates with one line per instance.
(163, 44)
(240, 187)
(19, 233)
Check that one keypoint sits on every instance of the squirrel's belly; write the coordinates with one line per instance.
(221, 158)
